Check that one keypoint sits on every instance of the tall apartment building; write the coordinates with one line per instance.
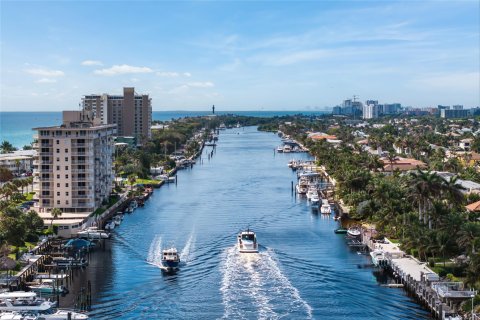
(73, 169)
(132, 113)
(370, 111)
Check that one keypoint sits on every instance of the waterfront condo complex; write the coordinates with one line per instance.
(131, 112)
(73, 170)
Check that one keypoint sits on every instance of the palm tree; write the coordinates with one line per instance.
(453, 191)
(467, 235)
(444, 244)
(56, 212)
(7, 147)
(424, 188)
(392, 157)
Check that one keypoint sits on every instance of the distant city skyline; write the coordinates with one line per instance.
(240, 55)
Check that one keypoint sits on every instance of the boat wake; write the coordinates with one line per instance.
(155, 252)
(187, 253)
(253, 286)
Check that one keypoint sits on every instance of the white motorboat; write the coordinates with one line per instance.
(325, 209)
(93, 233)
(315, 199)
(312, 190)
(354, 232)
(378, 258)
(247, 242)
(170, 259)
(48, 286)
(23, 301)
(302, 186)
(287, 149)
(48, 315)
(117, 220)
(280, 149)
(110, 225)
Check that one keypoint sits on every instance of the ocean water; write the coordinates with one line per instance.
(16, 127)
(303, 269)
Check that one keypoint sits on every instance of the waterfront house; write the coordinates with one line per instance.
(402, 164)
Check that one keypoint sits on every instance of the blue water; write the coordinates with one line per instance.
(16, 127)
(303, 271)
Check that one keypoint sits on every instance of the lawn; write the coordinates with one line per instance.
(146, 181)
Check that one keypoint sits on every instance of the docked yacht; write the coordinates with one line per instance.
(117, 220)
(325, 209)
(378, 258)
(287, 149)
(93, 233)
(302, 186)
(23, 301)
(48, 315)
(247, 242)
(170, 259)
(354, 232)
(315, 200)
(312, 190)
(280, 149)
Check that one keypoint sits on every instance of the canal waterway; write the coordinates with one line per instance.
(303, 270)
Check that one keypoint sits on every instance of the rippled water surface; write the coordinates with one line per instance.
(303, 269)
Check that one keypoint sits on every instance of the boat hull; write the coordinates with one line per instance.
(170, 265)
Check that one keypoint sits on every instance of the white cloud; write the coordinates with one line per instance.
(45, 72)
(92, 63)
(46, 80)
(168, 74)
(206, 84)
(122, 69)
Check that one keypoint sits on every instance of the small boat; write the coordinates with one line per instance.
(93, 233)
(354, 232)
(287, 149)
(325, 209)
(110, 225)
(70, 262)
(117, 220)
(378, 258)
(336, 218)
(280, 149)
(170, 259)
(77, 244)
(312, 190)
(315, 199)
(340, 231)
(63, 314)
(247, 242)
(48, 286)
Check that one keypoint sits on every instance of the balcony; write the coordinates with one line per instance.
(86, 153)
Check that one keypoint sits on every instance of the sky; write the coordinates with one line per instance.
(240, 55)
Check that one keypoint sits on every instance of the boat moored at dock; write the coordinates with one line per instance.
(93, 233)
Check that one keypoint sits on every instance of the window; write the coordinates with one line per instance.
(66, 185)
(66, 202)
(66, 167)
(58, 159)
(66, 193)
(58, 176)
(58, 193)
(66, 150)
(66, 159)
(58, 185)
(58, 201)
(58, 141)
(58, 150)
(58, 167)
(66, 176)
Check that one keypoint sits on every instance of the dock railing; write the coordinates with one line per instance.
(452, 290)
